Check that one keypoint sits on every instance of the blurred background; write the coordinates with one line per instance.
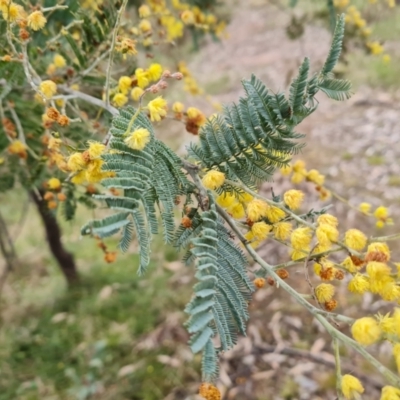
(119, 336)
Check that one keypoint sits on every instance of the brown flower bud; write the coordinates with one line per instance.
(48, 196)
(259, 283)
(86, 156)
(166, 74)
(52, 204)
(339, 275)
(24, 34)
(61, 197)
(53, 113)
(282, 273)
(63, 120)
(154, 89)
(378, 256)
(270, 281)
(178, 76)
(327, 273)
(330, 305)
(110, 256)
(186, 222)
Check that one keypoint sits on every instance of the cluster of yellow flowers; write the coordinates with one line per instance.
(18, 148)
(352, 388)
(171, 21)
(54, 194)
(14, 12)
(299, 173)
(369, 330)
(135, 84)
(381, 214)
(355, 20)
(87, 165)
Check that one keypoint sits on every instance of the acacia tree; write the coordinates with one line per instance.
(215, 185)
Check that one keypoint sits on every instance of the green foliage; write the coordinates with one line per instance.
(149, 178)
(247, 143)
(219, 305)
(336, 47)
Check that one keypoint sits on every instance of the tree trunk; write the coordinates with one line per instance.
(53, 234)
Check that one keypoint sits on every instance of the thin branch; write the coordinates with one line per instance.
(338, 369)
(392, 378)
(110, 59)
(90, 99)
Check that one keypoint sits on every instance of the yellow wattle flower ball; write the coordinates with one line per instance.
(359, 284)
(301, 238)
(390, 393)
(36, 20)
(355, 239)
(120, 99)
(237, 211)
(96, 149)
(187, 17)
(178, 107)
(282, 230)
(328, 219)
(142, 77)
(324, 292)
(124, 84)
(256, 209)
(48, 88)
(76, 162)
(260, 230)
(138, 139)
(378, 270)
(314, 176)
(79, 178)
(54, 184)
(365, 208)
(154, 72)
(59, 61)
(226, 199)
(274, 214)
(351, 387)
(136, 92)
(213, 179)
(144, 11)
(327, 234)
(366, 331)
(145, 26)
(11, 12)
(157, 108)
(293, 198)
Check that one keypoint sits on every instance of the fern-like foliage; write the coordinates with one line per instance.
(218, 309)
(254, 137)
(247, 143)
(151, 178)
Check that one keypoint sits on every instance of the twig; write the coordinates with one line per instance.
(110, 59)
(63, 30)
(338, 369)
(90, 99)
